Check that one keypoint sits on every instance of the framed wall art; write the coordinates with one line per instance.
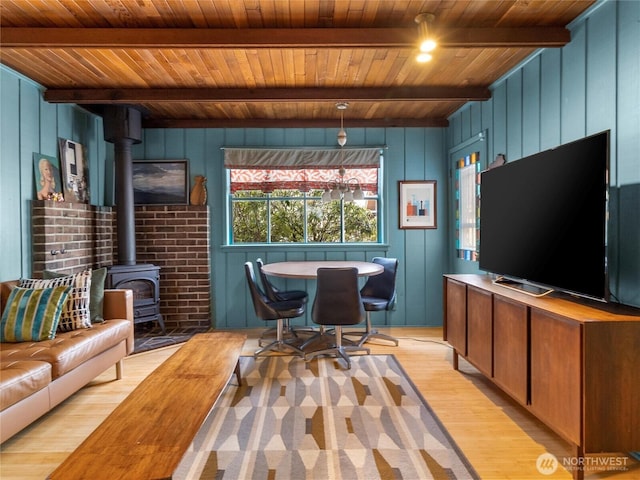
(75, 173)
(417, 204)
(161, 182)
(47, 177)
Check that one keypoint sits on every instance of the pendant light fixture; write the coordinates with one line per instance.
(342, 135)
(347, 189)
(426, 41)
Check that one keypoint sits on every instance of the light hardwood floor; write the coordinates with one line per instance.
(500, 439)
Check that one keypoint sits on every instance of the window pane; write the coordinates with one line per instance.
(323, 221)
(361, 223)
(287, 221)
(248, 194)
(286, 193)
(249, 221)
(468, 208)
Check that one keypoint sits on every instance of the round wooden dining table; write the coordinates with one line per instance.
(309, 269)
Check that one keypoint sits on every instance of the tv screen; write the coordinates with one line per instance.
(543, 218)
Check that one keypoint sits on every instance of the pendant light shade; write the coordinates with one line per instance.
(342, 135)
(426, 41)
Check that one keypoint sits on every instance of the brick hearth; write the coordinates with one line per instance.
(174, 237)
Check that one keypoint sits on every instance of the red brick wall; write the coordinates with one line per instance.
(82, 231)
(174, 237)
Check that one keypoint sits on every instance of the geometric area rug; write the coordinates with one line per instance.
(318, 420)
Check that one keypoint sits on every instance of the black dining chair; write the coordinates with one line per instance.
(278, 311)
(274, 293)
(379, 294)
(277, 295)
(337, 303)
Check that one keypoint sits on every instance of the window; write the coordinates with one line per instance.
(281, 196)
(467, 218)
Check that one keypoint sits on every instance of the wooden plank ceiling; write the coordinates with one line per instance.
(244, 63)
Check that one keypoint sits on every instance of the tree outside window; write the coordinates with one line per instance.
(290, 216)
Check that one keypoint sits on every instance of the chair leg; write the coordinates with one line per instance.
(371, 332)
(279, 343)
(288, 330)
(238, 373)
(338, 349)
(268, 333)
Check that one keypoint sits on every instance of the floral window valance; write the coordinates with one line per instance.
(304, 170)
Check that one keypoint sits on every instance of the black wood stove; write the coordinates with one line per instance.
(144, 280)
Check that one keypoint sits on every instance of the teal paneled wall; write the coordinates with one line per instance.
(27, 125)
(12, 208)
(412, 154)
(560, 95)
(557, 96)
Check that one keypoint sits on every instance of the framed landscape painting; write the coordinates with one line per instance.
(417, 204)
(160, 182)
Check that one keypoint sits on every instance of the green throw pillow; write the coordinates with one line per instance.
(98, 277)
(96, 304)
(32, 314)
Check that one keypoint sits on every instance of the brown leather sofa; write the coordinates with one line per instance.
(37, 376)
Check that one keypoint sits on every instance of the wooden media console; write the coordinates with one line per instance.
(573, 364)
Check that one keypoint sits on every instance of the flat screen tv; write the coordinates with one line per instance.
(543, 220)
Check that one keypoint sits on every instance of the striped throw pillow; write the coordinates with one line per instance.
(32, 314)
(76, 313)
(96, 303)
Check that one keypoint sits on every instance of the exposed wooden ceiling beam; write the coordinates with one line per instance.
(291, 123)
(405, 37)
(221, 95)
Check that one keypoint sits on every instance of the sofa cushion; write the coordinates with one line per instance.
(96, 303)
(76, 312)
(32, 314)
(69, 349)
(21, 379)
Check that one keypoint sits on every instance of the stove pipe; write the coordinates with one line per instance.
(122, 127)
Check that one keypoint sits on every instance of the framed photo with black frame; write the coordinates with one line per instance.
(417, 204)
(160, 182)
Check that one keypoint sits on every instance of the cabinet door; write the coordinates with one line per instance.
(611, 386)
(555, 373)
(456, 315)
(480, 329)
(510, 347)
